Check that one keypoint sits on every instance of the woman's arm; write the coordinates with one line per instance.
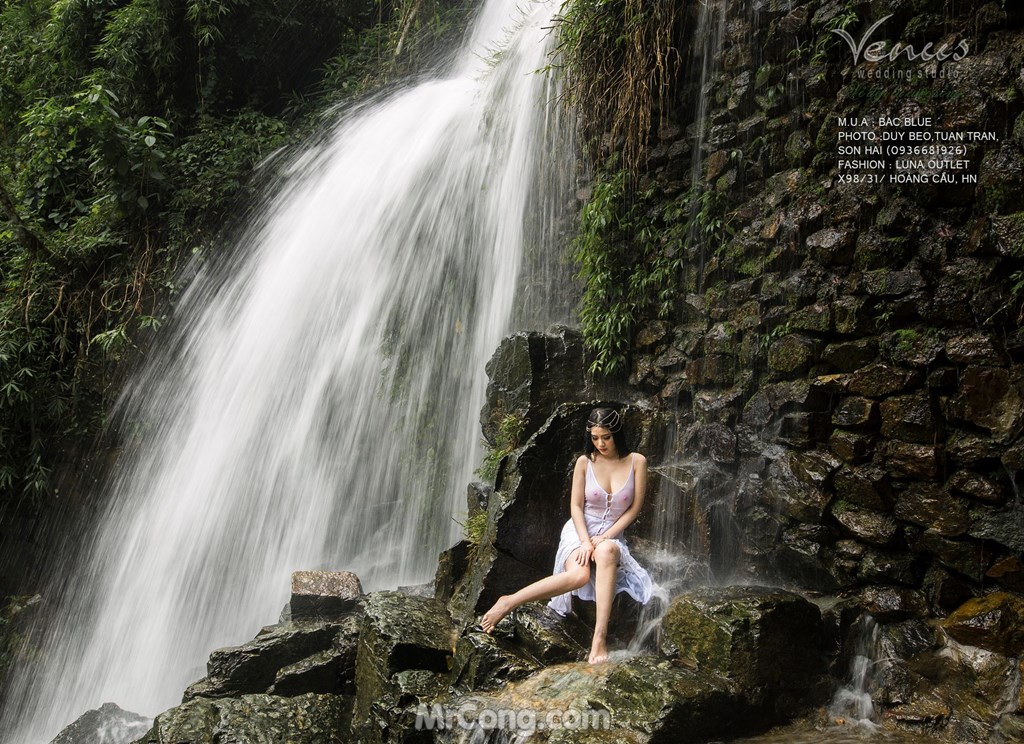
(576, 500)
(639, 490)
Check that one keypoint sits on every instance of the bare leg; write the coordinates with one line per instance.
(573, 577)
(606, 556)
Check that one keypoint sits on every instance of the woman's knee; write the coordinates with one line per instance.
(579, 575)
(606, 552)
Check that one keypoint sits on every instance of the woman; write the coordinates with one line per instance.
(608, 486)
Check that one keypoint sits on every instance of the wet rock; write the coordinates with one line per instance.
(910, 418)
(881, 380)
(329, 671)
(866, 486)
(1009, 573)
(108, 723)
(483, 661)
(994, 622)
(977, 487)
(852, 447)
(892, 604)
(745, 634)
(719, 442)
(864, 525)
(967, 449)
(832, 246)
(552, 639)
(973, 349)
(892, 568)
(791, 355)
(910, 348)
(991, 399)
(317, 594)
(253, 667)
(856, 412)
(642, 699)
(399, 633)
(933, 508)
(1003, 526)
(966, 558)
(792, 496)
(921, 461)
(451, 568)
(306, 719)
(531, 373)
(945, 590)
(888, 283)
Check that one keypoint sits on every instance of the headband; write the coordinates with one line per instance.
(612, 422)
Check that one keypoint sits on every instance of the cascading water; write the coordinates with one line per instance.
(319, 406)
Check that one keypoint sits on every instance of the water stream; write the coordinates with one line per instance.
(317, 404)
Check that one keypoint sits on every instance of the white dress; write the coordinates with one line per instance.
(600, 510)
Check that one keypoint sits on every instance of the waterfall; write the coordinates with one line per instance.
(852, 702)
(318, 404)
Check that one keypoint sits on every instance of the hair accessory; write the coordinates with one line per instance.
(606, 419)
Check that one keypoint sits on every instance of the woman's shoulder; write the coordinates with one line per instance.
(582, 460)
(639, 459)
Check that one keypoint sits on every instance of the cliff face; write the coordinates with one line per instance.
(844, 349)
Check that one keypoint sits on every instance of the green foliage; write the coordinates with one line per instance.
(510, 431)
(630, 250)
(129, 129)
(620, 59)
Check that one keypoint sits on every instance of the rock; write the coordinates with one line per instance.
(849, 356)
(910, 418)
(973, 349)
(1009, 572)
(306, 719)
(108, 724)
(921, 461)
(317, 594)
(911, 349)
(945, 590)
(994, 622)
(977, 487)
(892, 568)
(852, 447)
(867, 486)
(399, 633)
(933, 508)
(792, 496)
(891, 603)
(881, 380)
(791, 355)
(832, 246)
(864, 525)
(641, 699)
(552, 639)
(966, 558)
(1005, 526)
(991, 399)
(888, 283)
(253, 667)
(745, 634)
(856, 412)
(719, 442)
(452, 565)
(483, 661)
(331, 671)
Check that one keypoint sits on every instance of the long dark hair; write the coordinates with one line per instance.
(606, 418)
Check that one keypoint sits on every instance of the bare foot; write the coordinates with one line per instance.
(494, 615)
(598, 650)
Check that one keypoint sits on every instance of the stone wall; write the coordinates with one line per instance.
(848, 357)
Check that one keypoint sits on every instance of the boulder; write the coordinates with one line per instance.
(893, 603)
(306, 719)
(865, 525)
(932, 507)
(745, 634)
(994, 622)
(274, 656)
(323, 593)
(991, 398)
(399, 634)
(641, 699)
(105, 725)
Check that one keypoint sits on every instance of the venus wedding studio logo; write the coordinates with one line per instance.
(880, 51)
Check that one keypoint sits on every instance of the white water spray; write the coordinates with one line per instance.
(319, 407)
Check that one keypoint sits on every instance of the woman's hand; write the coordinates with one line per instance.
(585, 553)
